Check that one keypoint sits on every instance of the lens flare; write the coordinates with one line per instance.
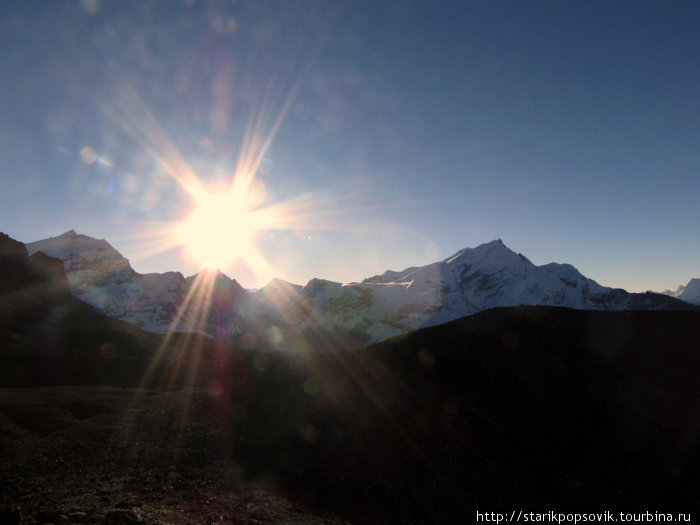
(88, 155)
(219, 231)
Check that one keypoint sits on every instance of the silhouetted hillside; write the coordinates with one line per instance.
(532, 406)
(49, 337)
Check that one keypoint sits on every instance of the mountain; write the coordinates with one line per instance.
(102, 277)
(470, 281)
(689, 293)
(50, 337)
(156, 302)
(282, 315)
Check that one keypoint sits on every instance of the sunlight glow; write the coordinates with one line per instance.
(230, 211)
(223, 223)
(218, 231)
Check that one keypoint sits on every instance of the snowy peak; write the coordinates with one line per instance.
(570, 276)
(216, 280)
(494, 255)
(491, 257)
(281, 300)
(689, 293)
(87, 261)
(72, 242)
(278, 290)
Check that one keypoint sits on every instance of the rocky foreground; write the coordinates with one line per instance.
(96, 454)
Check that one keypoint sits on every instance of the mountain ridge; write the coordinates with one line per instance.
(374, 309)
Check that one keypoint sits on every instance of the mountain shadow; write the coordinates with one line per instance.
(526, 407)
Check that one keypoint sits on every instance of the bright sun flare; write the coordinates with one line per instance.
(219, 231)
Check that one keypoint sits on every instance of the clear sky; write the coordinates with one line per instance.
(382, 134)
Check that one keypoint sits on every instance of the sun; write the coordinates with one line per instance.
(219, 230)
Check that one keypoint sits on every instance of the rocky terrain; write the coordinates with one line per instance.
(99, 454)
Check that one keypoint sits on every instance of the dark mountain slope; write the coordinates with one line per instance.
(49, 337)
(534, 406)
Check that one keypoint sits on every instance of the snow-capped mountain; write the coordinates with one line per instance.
(690, 293)
(380, 307)
(472, 280)
(101, 276)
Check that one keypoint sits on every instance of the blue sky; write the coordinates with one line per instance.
(407, 130)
